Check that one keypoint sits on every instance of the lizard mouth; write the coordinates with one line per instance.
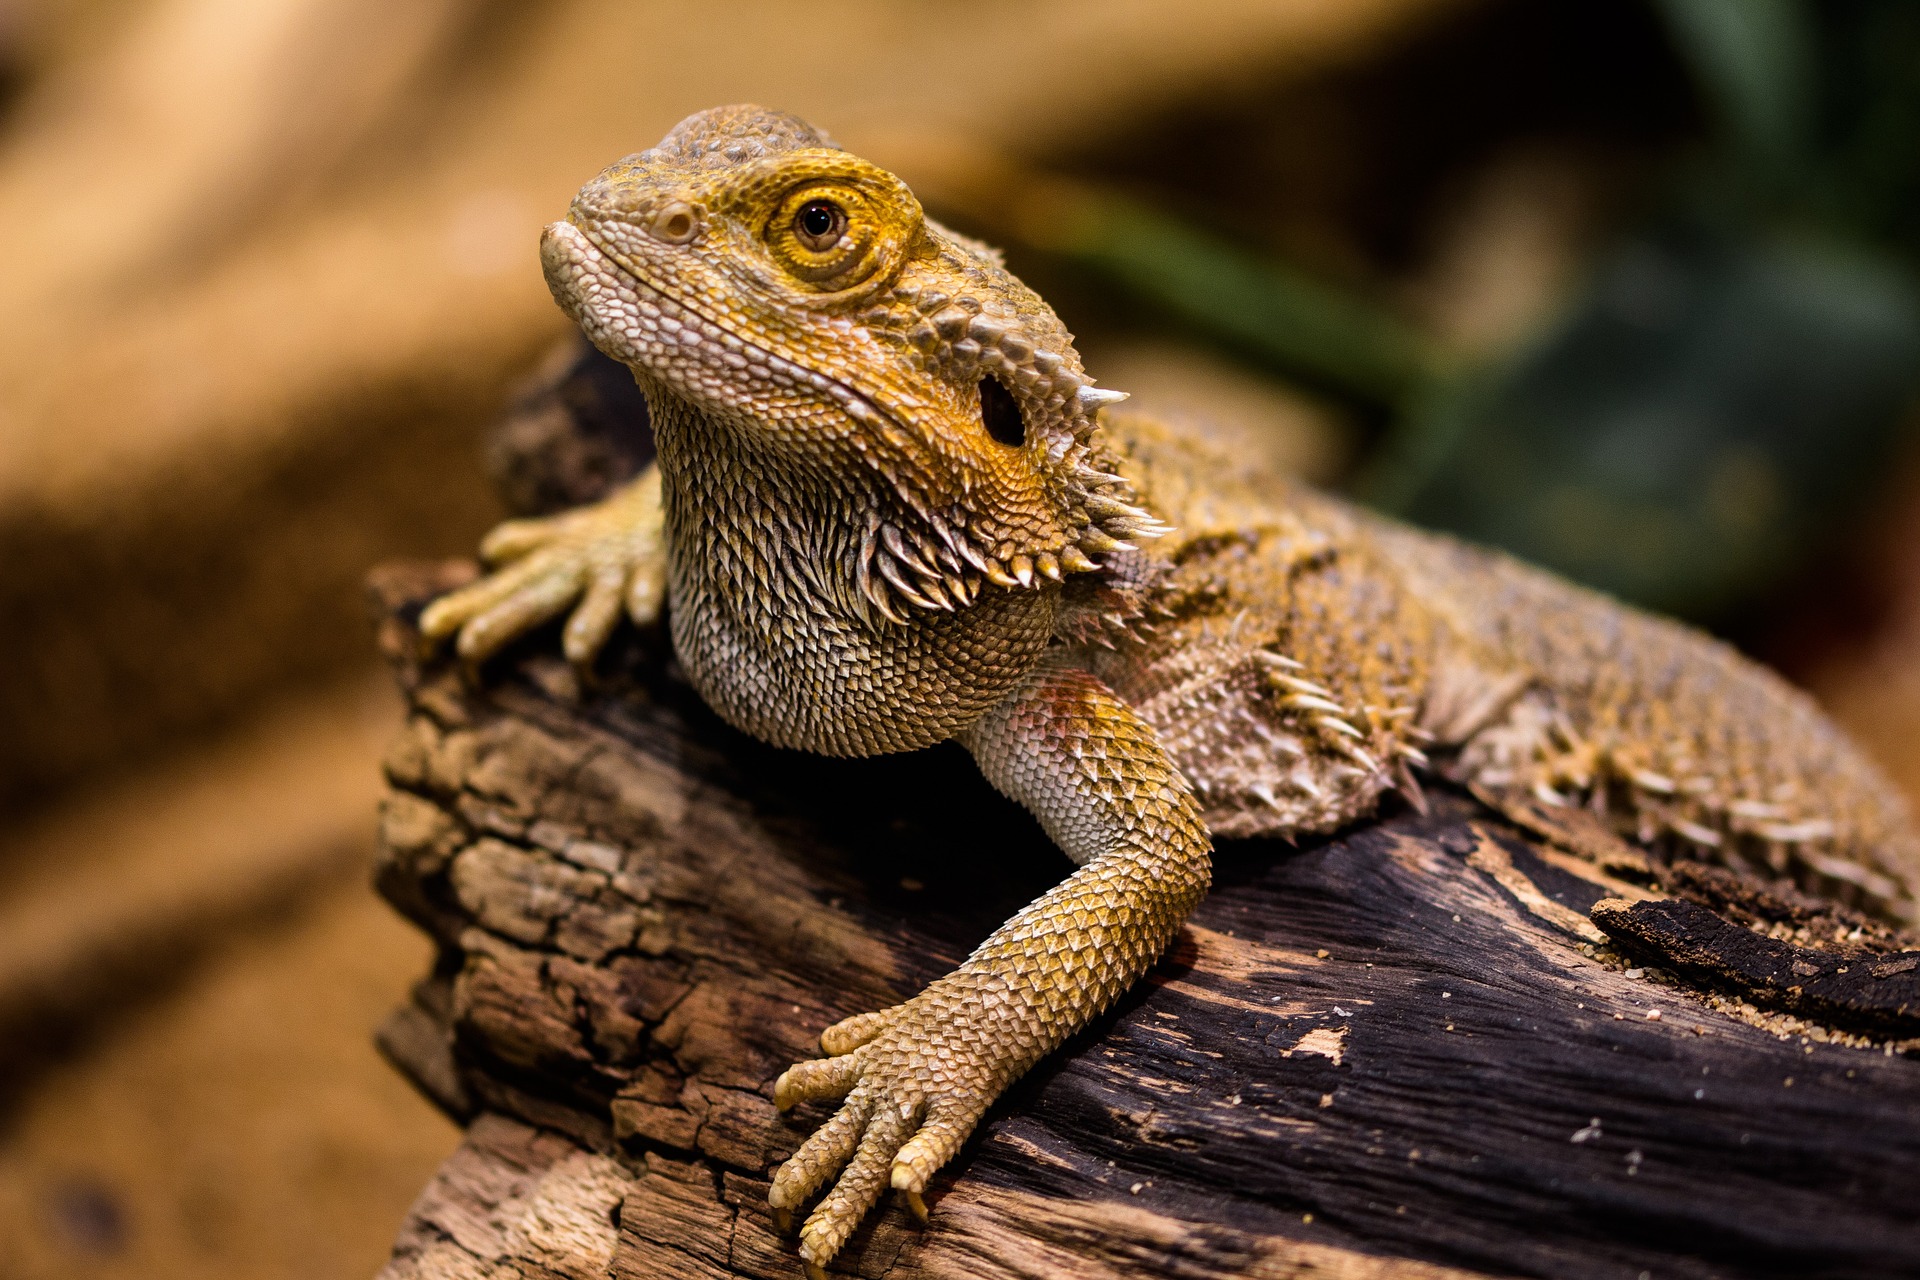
(646, 326)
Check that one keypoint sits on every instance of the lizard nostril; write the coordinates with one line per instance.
(1001, 413)
(674, 224)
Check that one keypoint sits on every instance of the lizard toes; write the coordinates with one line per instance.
(822, 1155)
(647, 591)
(513, 539)
(819, 1080)
(850, 1033)
(543, 592)
(447, 614)
(938, 1141)
(595, 617)
(859, 1187)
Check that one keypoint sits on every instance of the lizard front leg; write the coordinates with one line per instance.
(596, 560)
(917, 1078)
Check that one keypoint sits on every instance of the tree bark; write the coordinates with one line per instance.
(1428, 1047)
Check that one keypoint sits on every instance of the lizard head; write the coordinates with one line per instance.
(798, 299)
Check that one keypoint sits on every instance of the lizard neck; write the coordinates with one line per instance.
(768, 618)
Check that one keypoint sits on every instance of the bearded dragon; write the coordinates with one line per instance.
(891, 508)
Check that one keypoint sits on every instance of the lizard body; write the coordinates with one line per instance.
(890, 508)
(1540, 694)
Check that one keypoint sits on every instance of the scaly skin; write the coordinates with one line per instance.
(890, 509)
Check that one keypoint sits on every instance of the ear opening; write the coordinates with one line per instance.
(1000, 413)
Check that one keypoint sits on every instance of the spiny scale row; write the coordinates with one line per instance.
(933, 564)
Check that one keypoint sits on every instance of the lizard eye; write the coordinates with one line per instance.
(832, 235)
(819, 225)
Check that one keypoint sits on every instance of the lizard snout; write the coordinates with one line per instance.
(578, 274)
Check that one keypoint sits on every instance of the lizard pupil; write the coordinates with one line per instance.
(1001, 414)
(819, 223)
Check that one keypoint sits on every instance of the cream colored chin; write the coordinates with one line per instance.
(591, 289)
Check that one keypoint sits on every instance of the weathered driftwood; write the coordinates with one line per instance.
(1404, 1052)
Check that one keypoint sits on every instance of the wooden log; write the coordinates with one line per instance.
(1430, 1046)
(1389, 1053)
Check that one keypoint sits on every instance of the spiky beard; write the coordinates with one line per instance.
(915, 556)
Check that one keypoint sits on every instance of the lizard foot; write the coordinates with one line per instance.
(595, 561)
(915, 1080)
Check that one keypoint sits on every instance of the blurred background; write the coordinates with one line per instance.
(1626, 286)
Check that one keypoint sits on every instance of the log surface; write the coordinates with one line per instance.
(1393, 1053)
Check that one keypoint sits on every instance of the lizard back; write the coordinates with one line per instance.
(1303, 640)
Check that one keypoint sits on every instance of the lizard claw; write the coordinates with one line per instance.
(913, 1086)
(595, 562)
